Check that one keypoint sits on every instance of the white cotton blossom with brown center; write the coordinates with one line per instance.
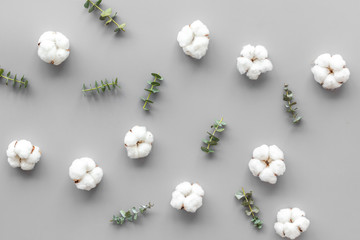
(23, 154)
(267, 163)
(138, 142)
(187, 196)
(53, 47)
(291, 222)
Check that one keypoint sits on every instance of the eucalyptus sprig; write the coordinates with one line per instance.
(105, 14)
(7, 77)
(131, 215)
(102, 86)
(218, 126)
(152, 89)
(289, 105)
(248, 202)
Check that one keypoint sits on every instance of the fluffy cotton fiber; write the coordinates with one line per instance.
(53, 47)
(267, 163)
(194, 39)
(330, 71)
(291, 222)
(23, 154)
(253, 61)
(187, 196)
(138, 142)
(85, 173)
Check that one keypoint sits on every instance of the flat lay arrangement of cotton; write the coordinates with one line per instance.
(267, 163)
(53, 47)
(194, 39)
(188, 197)
(254, 61)
(138, 142)
(85, 173)
(291, 222)
(22, 154)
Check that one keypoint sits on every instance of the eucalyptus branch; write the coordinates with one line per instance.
(252, 210)
(213, 140)
(152, 89)
(105, 14)
(7, 77)
(102, 86)
(131, 215)
(288, 98)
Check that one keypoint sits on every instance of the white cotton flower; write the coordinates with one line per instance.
(267, 163)
(23, 154)
(187, 196)
(253, 61)
(85, 173)
(194, 39)
(138, 142)
(330, 71)
(53, 47)
(291, 222)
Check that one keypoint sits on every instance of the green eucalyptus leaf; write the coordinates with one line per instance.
(239, 195)
(98, 2)
(1, 71)
(106, 13)
(87, 4)
(204, 149)
(91, 9)
(108, 22)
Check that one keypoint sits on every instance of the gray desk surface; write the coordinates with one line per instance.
(321, 153)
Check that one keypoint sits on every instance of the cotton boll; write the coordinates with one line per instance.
(320, 73)
(187, 196)
(184, 188)
(337, 62)
(177, 200)
(138, 142)
(194, 39)
(192, 203)
(331, 83)
(323, 60)
(185, 36)
(243, 64)
(261, 153)
(291, 222)
(330, 71)
(248, 51)
(291, 231)
(53, 47)
(260, 52)
(342, 76)
(275, 152)
(256, 166)
(85, 173)
(23, 154)
(267, 175)
(277, 167)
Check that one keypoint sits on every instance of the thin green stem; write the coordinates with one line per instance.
(211, 138)
(95, 88)
(11, 79)
(249, 203)
(110, 18)
(148, 97)
(290, 106)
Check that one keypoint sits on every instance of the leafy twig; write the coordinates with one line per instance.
(152, 89)
(7, 77)
(131, 215)
(288, 97)
(247, 201)
(213, 140)
(105, 14)
(103, 85)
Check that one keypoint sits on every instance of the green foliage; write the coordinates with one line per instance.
(101, 86)
(105, 14)
(152, 89)
(248, 202)
(289, 105)
(213, 140)
(15, 81)
(131, 215)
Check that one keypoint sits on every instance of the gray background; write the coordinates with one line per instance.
(321, 153)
